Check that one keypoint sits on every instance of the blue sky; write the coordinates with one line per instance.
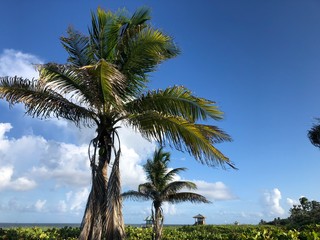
(259, 60)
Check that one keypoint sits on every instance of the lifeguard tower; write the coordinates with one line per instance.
(199, 220)
(149, 222)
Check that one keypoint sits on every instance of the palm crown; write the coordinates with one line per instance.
(105, 81)
(160, 186)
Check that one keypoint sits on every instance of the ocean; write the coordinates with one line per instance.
(61, 225)
(29, 225)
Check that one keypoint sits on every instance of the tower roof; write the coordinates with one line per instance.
(199, 216)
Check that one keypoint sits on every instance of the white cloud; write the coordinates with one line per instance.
(67, 164)
(132, 173)
(4, 143)
(271, 202)
(16, 63)
(292, 202)
(62, 206)
(5, 176)
(78, 199)
(74, 201)
(40, 205)
(23, 184)
(135, 149)
(133, 140)
(217, 191)
(14, 204)
(169, 209)
(19, 184)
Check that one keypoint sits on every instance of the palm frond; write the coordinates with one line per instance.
(186, 196)
(42, 102)
(176, 101)
(77, 46)
(141, 53)
(135, 195)
(156, 168)
(183, 135)
(76, 82)
(110, 81)
(147, 188)
(215, 134)
(172, 173)
(146, 50)
(176, 186)
(104, 34)
(314, 135)
(140, 16)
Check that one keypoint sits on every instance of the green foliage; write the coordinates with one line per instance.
(36, 233)
(227, 232)
(206, 232)
(301, 215)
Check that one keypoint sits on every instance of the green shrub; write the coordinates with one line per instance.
(207, 232)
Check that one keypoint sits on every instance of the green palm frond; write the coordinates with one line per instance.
(176, 101)
(183, 135)
(147, 188)
(135, 195)
(110, 81)
(314, 134)
(42, 102)
(140, 16)
(77, 46)
(104, 34)
(146, 50)
(215, 134)
(155, 172)
(76, 82)
(186, 196)
(172, 173)
(141, 53)
(176, 186)
(156, 168)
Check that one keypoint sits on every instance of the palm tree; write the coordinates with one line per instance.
(314, 135)
(161, 188)
(104, 85)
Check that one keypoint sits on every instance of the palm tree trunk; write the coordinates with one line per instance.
(103, 214)
(93, 223)
(158, 222)
(115, 224)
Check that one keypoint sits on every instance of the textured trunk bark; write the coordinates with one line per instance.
(103, 214)
(93, 223)
(158, 222)
(115, 224)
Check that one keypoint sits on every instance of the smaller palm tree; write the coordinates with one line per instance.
(161, 188)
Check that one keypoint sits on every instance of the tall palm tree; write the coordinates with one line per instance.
(161, 188)
(104, 85)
